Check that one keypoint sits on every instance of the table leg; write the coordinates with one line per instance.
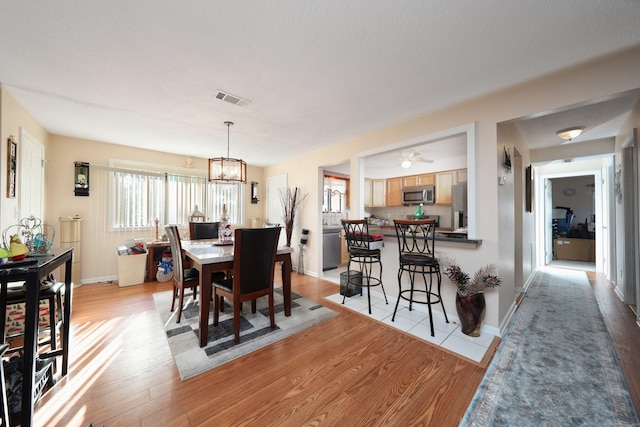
(205, 302)
(66, 321)
(286, 283)
(32, 308)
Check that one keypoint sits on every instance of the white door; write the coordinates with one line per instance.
(31, 185)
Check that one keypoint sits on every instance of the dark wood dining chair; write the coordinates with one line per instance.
(182, 278)
(254, 256)
(203, 230)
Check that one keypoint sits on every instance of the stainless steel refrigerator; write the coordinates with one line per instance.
(459, 206)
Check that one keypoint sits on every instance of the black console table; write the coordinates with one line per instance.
(32, 270)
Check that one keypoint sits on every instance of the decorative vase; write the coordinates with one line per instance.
(470, 311)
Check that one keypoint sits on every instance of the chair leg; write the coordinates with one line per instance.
(381, 284)
(237, 307)
(52, 322)
(175, 295)
(272, 310)
(216, 309)
(393, 318)
(180, 302)
(366, 271)
(253, 305)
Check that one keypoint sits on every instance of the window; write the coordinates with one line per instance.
(336, 194)
(140, 197)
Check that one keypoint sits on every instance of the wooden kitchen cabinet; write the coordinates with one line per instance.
(368, 193)
(379, 192)
(394, 192)
(418, 180)
(444, 181)
(461, 176)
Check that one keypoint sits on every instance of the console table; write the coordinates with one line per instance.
(31, 271)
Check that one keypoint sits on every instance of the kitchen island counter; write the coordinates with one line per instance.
(444, 236)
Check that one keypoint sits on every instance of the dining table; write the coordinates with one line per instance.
(209, 256)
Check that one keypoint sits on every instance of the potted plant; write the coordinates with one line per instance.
(470, 302)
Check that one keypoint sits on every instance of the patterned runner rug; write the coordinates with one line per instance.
(255, 330)
(556, 365)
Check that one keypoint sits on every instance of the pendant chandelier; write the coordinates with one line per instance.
(226, 169)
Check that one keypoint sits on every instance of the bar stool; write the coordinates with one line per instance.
(51, 292)
(359, 243)
(416, 241)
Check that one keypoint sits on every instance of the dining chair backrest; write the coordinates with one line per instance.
(415, 236)
(176, 252)
(203, 230)
(356, 232)
(254, 255)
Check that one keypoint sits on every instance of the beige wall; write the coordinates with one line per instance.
(14, 117)
(614, 74)
(99, 261)
(632, 122)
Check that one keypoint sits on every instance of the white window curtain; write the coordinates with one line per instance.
(225, 194)
(139, 198)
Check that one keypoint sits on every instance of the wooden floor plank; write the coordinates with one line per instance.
(349, 369)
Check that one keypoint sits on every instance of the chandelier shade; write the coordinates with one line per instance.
(227, 169)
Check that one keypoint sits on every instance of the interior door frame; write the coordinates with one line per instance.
(631, 263)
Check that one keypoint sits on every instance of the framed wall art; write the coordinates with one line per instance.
(12, 167)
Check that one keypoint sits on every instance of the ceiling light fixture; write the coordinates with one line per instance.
(406, 164)
(570, 133)
(226, 169)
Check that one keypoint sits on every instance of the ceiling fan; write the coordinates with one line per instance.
(407, 158)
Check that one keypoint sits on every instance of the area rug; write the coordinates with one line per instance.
(556, 365)
(255, 330)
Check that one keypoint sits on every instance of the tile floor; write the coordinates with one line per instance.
(415, 322)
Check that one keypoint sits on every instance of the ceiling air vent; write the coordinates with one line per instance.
(235, 100)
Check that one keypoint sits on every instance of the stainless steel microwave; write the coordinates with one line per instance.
(416, 195)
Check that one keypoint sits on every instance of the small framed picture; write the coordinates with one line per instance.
(12, 167)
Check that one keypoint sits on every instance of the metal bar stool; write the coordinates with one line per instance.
(416, 240)
(362, 250)
(50, 291)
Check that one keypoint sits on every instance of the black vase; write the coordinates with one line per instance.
(470, 311)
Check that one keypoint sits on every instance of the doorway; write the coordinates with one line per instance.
(572, 227)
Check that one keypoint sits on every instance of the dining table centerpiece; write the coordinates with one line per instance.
(470, 302)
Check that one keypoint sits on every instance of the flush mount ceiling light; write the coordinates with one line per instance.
(570, 133)
(226, 169)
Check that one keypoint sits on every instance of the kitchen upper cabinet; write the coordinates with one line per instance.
(444, 181)
(368, 193)
(418, 180)
(379, 192)
(461, 176)
(394, 191)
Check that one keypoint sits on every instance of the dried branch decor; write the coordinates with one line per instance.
(291, 199)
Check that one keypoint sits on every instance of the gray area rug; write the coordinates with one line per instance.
(255, 330)
(556, 365)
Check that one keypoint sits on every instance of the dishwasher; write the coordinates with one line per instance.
(330, 248)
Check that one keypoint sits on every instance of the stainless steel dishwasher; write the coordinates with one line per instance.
(330, 247)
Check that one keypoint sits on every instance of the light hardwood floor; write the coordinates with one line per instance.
(349, 370)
